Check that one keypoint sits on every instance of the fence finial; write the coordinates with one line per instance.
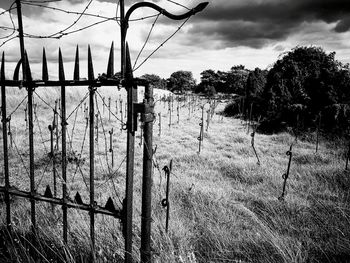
(110, 67)
(90, 66)
(61, 76)
(27, 67)
(78, 199)
(48, 192)
(45, 74)
(128, 69)
(110, 205)
(2, 77)
(76, 65)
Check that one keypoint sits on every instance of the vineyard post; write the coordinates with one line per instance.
(286, 175)
(160, 124)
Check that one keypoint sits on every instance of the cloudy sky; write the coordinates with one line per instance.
(227, 33)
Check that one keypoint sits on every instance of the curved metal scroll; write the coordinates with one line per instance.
(193, 11)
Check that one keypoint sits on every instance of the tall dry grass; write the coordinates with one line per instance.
(224, 207)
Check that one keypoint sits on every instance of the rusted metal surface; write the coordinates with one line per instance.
(146, 209)
(92, 154)
(165, 201)
(5, 144)
(201, 132)
(61, 77)
(286, 175)
(132, 98)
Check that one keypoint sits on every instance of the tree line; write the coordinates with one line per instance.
(303, 86)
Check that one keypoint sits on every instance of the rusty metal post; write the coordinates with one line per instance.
(131, 128)
(25, 116)
(55, 119)
(200, 137)
(5, 144)
(9, 133)
(160, 124)
(96, 127)
(92, 170)
(121, 115)
(165, 201)
(178, 113)
(146, 209)
(123, 30)
(64, 148)
(170, 111)
(111, 145)
(92, 155)
(51, 129)
(286, 175)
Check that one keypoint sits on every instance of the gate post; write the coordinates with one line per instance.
(5, 143)
(131, 127)
(148, 117)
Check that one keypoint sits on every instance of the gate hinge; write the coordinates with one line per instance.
(146, 110)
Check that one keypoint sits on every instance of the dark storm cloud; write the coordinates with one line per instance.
(257, 22)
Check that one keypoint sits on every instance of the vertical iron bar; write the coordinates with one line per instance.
(123, 29)
(167, 173)
(92, 171)
(5, 144)
(147, 180)
(132, 98)
(200, 138)
(64, 149)
(286, 175)
(56, 125)
(170, 111)
(21, 37)
(111, 145)
(31, 156)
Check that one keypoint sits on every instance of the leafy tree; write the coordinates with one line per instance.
(209, 80)
(254, 87)
(181, 81)
(236, 80)
(155, 80)
(302, 83)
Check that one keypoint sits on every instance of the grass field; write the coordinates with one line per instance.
(224, 206)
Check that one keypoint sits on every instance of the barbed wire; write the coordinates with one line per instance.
(161, 45)
(19, 105)
(8, 40)
(146, 41)
(47, 104)
(115, 116)
(12, 22)
(70, 12)
(176, 3)
(77, 107)
(38, 1)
